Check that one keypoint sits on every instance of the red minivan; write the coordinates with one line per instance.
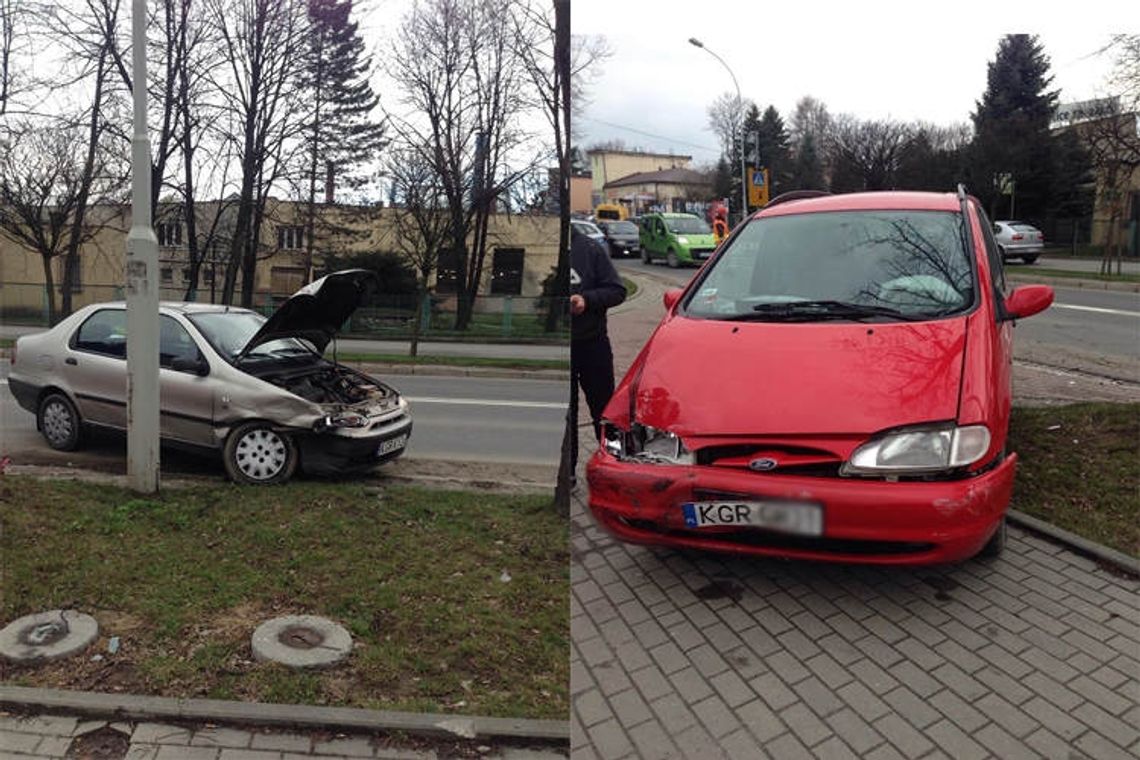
(833, 385)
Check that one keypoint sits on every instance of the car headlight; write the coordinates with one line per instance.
(682, 240)
(342, 420)
(919, 450)
(645, 444)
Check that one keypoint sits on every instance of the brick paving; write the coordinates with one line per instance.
(54, 737)
(679, 654)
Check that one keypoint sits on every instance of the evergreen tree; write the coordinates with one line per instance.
(340, 134)
(774, 151)
(1011, 129)
(722, 179)
(807, 168)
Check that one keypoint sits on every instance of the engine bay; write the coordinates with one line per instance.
(331, 384)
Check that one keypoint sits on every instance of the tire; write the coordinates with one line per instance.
(996, 545)
(257, 454)
(1029, 259)
(671, 257)
(59, 422)
(645, 257)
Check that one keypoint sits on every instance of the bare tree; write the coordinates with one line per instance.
(421, 220)
(1113, 143)
(262, 49)
(45, 181)
(11, 43)
(864, 155)
(726, 115)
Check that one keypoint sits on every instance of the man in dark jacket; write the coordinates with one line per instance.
(594, 287)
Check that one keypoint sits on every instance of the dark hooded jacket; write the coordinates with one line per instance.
(592, 275)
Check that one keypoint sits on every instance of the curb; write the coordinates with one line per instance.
(450, 370)
(1028, 278)
(1103, 554)
(346, 719)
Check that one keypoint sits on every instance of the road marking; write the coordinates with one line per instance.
(486, 402)
(1097, 309)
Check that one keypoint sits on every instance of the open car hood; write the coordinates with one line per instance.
(707, 377)
(316, 312)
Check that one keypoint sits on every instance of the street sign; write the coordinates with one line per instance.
(757, 187)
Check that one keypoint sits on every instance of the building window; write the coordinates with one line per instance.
(286, 280)
(207, 273)
(447, 278)
(166, 275)
(290, 237)
(169, 233)
(507, 271)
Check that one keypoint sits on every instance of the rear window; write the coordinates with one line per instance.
(911, 262)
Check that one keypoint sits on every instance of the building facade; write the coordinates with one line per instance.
(609, 165)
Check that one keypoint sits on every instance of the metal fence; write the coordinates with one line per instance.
(494, 318)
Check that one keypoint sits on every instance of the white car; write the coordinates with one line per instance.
(1019, 240)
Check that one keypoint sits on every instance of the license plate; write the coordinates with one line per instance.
(800, 518)
(392, 444)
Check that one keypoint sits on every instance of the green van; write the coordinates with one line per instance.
(677, 238)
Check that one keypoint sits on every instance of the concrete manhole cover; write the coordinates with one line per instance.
(46, 636)
(301, 641)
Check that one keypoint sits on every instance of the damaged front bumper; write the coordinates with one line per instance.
(351, 449)
(868, 521)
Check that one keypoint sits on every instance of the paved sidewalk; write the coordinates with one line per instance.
(687, 655)
(53, 736)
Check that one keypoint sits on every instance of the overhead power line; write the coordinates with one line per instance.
(650, 134)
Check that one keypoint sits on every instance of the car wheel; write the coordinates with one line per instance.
(256, 453)
(1029, 259)
(671, 257)
(59, 421)
(996, 544)
(645, 258)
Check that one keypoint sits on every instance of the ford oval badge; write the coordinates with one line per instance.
(762, 465)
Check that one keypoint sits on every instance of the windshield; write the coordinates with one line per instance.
(840, 265)
(229, 331)
(689, 225)
(622, 228)
(588, 228)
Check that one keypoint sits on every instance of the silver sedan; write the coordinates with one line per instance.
(257, 390)
(1019, 240)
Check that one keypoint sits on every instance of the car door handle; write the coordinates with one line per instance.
(71, 360)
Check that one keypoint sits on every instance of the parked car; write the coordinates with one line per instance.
(1019, 240)
(833, 385)
(622, 238)
(590, 230)
(258, 390)
(677, 238)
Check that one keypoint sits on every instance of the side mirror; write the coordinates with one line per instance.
(671, 296)
(1028, 300)
(197, 365)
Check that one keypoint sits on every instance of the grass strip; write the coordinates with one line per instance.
(458, 601)
(1078, 470)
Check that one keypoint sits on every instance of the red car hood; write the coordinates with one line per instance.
(704, 377)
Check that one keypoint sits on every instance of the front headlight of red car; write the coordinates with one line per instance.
(643, 443)
(920, 450)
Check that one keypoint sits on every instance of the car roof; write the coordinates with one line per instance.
(893, 200)
(183, 307)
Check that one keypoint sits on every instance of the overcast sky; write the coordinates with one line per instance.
(876, 59)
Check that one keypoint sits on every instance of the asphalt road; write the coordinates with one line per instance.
(460, 419)
(1094, 330)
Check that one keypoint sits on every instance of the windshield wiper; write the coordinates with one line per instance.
(820, 310)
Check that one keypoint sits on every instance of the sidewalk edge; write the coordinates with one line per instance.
(1104, 554)
(1029, 278)
(134, 707)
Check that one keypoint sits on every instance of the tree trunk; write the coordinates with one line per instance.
(417, 326)
(562, 279)
(49, 288)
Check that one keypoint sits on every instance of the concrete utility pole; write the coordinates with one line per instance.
(142, 289)
(739, 129)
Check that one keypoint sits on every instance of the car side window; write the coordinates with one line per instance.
(174, 342)
(997, 265)
(104, 332)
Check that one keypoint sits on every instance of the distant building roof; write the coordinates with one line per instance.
(664, 176)
(648, 154)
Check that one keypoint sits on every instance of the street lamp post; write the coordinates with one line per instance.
(142, 290)
(740, 139)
